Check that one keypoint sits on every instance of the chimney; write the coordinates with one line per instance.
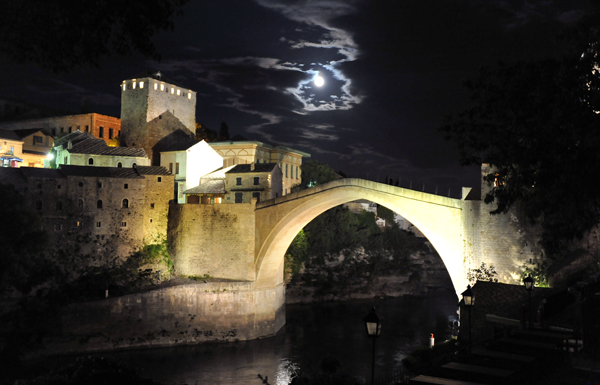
(252, 166)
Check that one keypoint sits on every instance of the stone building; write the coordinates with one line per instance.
(211, 189)
(255, 180)
(11, 149)
(82, 149)
(37, 144)
(156, 114)
(104, 212)
(100, 126)
(246, 152)
(189, 160)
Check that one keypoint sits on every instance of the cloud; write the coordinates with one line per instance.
(49, 89)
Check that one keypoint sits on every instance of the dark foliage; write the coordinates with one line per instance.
(315, 173)
(61, 35)
(205, 133)
(21, 264)
(537, 124)
(223, 131)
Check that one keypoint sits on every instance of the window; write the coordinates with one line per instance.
(80, 203)
(59, 187)
(37, 139)
(162, 87)
(125, 203)
(66, 159)
(62, 130)
(155, 86)
(98, 224)
(124, 86)
(256, 180)
(78, 223)
(59, 205)
(134, 165)
(58, 227)
(296, 172)
(100, 185)
(80, 184)
(141, 84)
(38, 205)
(70, 129)
(172, 90)
(189, 95)
(91, 161)
(110, 133)
(78, 128)
(151, 205)
(119, 165)
(238, 181)
(134, 84)
(101, 132)
(124, 224)
(286, 170)
(150, 220)
(12, 149)
(239, 197)
(99, 203)
(178, 92)
(177, 168)
(87, 128)
(257, 196)
(126, 186)
(159, 179)
(171, 168)
(54, 131)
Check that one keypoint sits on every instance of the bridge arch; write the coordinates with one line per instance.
(279, 220)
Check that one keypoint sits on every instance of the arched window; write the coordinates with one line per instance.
(119, 165)
(125, 203)
(91, 161)
(59, 205)
(134, 165)
(80, 203)
(99, 203)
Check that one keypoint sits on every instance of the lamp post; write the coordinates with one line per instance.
(529, 283)
(469, 301)
(373, 324)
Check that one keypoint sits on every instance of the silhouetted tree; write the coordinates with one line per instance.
(537, 124)
(63, 35)
(315, 173)
(223, 131)
(205, 133)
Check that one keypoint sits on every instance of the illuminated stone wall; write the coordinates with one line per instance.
(185, 314)
(153, 113)
(214, 240)
(462, 231)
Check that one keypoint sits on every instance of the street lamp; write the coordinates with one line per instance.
(529, 283)
(469, 301)
(373, 324)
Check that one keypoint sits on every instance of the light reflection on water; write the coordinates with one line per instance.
(312, 333)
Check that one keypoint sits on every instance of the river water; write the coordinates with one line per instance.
(312, 332)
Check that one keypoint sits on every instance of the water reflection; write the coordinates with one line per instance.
(312, 333)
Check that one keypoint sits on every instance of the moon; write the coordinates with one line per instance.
(319, 81)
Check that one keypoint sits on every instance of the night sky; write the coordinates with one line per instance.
(393, 71)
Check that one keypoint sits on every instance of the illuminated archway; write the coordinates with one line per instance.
(440, 219)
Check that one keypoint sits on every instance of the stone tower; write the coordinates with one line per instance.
(156, 113)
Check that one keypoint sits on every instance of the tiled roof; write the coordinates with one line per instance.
(181, 145)
(29, 131)
(152, 170)
(95, 146)
(74, 137)
(210, 187)
(258, 167)
(104, 172)
(9, 134)
(218, 174)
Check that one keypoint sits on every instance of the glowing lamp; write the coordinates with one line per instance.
(529, 282)
(373, 324)
(468, 296)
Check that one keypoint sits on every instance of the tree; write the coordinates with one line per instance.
(22, 242)
(536, 123)
(315, 173)
(205, 133)
(223, 131)
(63, 35)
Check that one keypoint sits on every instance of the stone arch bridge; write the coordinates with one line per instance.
(247, 242)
